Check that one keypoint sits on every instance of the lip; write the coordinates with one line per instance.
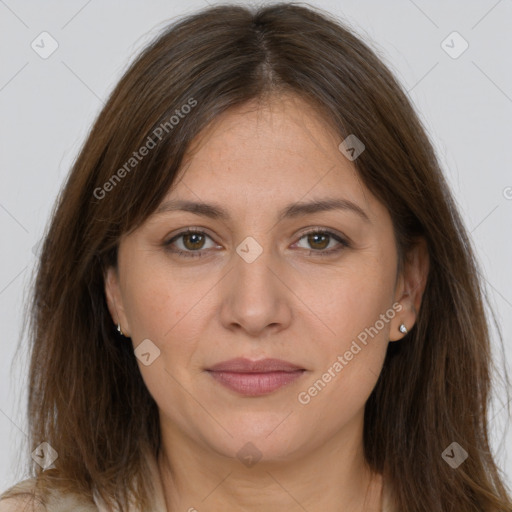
(243, 365)
(255, 378)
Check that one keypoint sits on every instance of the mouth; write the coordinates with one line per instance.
(255, 378)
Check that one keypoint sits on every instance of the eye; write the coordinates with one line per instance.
(192, 242)
(320, 240)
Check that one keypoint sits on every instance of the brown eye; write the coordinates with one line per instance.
(193, 241)
(318, 240)
(322, 242)
(189, 243)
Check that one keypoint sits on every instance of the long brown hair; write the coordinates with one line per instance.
(86, 396)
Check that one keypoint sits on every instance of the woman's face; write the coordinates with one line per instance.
(253, 284)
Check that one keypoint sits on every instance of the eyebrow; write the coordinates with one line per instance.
(291, 211)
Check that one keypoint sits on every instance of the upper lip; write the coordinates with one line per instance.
(243, 365)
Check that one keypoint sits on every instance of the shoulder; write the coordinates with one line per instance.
(19, 497)
(22, 497)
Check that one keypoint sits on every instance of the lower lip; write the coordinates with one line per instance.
(255, 384)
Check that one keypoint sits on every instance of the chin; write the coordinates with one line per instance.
(264, 439)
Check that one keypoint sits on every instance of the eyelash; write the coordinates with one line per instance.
(322, 253)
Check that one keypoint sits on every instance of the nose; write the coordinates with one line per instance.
(255, 296)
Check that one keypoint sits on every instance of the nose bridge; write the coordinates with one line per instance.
(253, 267)
(254, 297)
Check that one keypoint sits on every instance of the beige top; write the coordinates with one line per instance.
(57, 502)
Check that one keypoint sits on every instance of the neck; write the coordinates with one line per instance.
(330, 478)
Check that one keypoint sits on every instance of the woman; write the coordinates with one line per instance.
(256, 292)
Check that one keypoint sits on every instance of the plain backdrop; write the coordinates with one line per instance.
(47, 106)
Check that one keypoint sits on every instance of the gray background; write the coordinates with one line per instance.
(48, 105)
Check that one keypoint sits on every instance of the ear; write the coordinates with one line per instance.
(115, 300)
(410, 287)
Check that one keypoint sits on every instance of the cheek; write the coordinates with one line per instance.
(149, 310)
(358, 312)
(160, 302)
(353, 302)
(170, 314)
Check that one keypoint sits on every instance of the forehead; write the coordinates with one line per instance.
(266, 134)
(264, 154)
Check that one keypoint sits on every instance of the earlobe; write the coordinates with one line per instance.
(114, 300)
(410, 288)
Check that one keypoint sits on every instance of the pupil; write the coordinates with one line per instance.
(196, 239)
(315, 238)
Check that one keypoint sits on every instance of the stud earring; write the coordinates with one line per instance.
(119, 330)
(402, 329)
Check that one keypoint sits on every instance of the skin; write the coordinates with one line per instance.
(290, 303)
